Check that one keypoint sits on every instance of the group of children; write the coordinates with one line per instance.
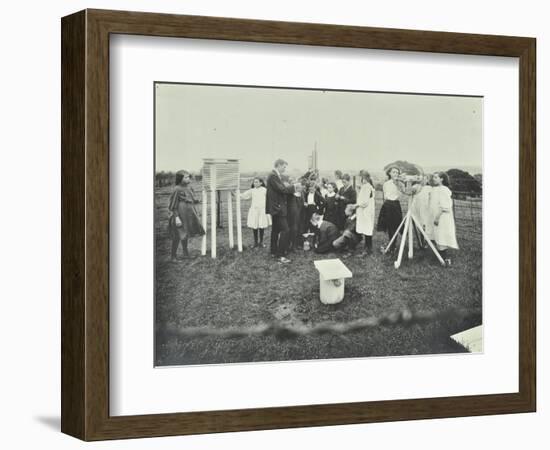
(337, 215)
(348, 216)
(326, 201)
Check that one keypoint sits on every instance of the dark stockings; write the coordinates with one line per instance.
(261, 233)
(176, 244)
(368, 243)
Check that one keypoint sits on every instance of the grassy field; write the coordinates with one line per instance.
(251, 288)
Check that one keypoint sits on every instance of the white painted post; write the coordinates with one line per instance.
(213, 210)
(230, 219)
(397, 263)
(239, 224)
(394, 237)
(434, 250)
(411, 226)
(204, 220)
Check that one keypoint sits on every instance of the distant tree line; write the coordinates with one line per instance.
(463, 184)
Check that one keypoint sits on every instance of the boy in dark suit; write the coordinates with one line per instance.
(276, 205)
(313, 203)
(346, 195)
(295, 218)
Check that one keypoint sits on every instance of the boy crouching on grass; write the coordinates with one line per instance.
(326, 233)
(350, 238)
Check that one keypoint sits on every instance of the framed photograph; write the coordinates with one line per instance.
(273, 225)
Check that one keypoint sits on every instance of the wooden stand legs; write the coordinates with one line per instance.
(204, 221)
(213, 251)
(230, 218)
(239, 223)
(409, 223)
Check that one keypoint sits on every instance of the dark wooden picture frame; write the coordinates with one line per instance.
(85, 224)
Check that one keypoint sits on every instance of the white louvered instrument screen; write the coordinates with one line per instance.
(227, 174)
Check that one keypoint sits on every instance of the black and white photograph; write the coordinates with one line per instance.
(275, 225)
(300, 224)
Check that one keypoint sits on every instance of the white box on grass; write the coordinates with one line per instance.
(332, 275)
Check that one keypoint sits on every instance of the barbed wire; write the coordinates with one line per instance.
(285, 331)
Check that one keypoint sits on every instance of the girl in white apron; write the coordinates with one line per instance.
(365, 210)
(441, 205)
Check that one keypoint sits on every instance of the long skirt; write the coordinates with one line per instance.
(295, 220)
(365, 219)
(390, 217)
(190, 223)
(332, 215)
(444, 233)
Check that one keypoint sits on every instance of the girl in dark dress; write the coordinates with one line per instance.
(183, 222)
(295, 206)
(313, 203)
(332, 206)
(346, 196)
(391, 215)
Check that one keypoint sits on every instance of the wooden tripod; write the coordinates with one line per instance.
(408, 222)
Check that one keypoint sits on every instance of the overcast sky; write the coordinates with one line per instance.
(352, 129)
